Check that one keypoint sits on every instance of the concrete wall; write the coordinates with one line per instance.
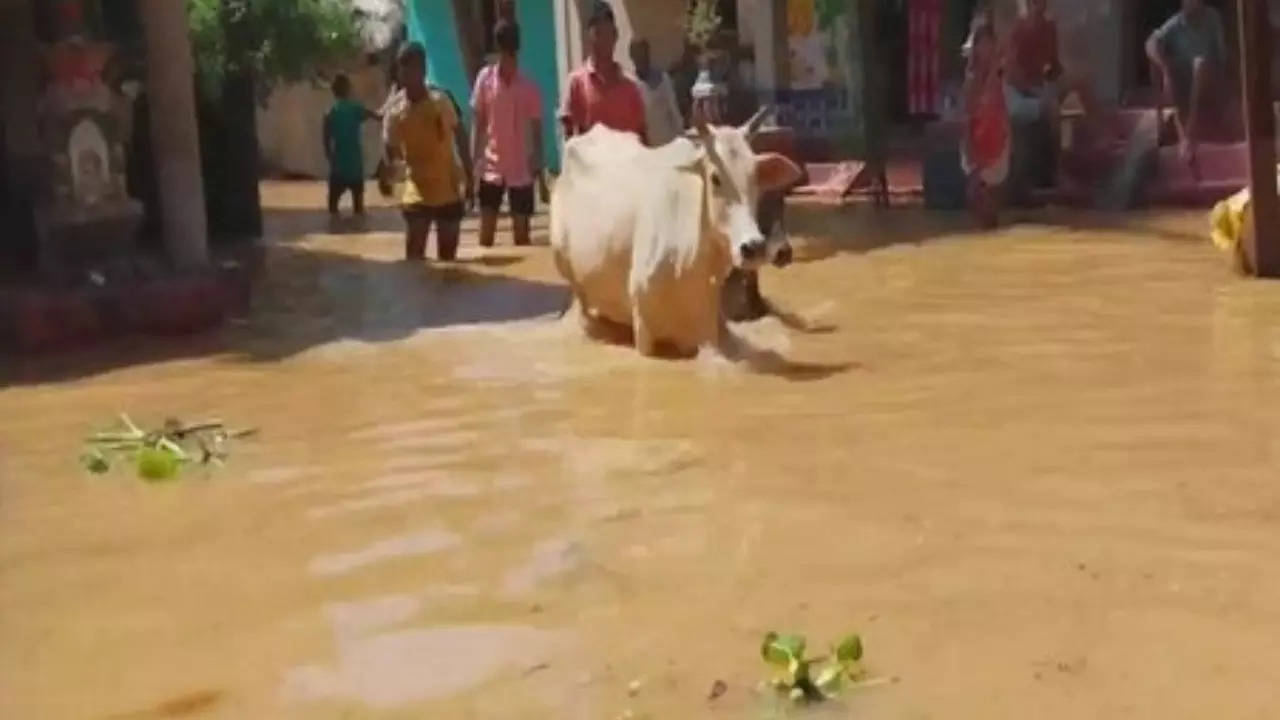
(291, 129)
(661, 22)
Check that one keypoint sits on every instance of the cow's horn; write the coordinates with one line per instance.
(753, 125)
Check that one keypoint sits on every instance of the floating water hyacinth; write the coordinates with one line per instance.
(160, 455)
(811, 679)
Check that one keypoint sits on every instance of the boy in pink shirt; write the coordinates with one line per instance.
(507, 144)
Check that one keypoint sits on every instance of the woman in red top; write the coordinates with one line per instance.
(984, 153)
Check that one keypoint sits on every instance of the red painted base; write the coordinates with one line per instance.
(37, 319)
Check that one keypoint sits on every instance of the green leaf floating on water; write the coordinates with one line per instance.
(158, 464)
(95, 462)
(815, 678)
(160, 454)
(782, 650)
(849, 650)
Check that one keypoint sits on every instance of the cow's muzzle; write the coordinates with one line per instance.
(754, 251)
(782, 256)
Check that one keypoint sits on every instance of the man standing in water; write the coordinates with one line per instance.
(662, 115)
(507, 139)
(598, 92)
(1190, 53)
(422, 131)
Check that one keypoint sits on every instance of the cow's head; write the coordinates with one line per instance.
(735, 177)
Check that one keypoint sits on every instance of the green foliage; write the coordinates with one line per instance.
(827, 11)
(159, 455)
(702, 23)
(811, 679)
(277, 40)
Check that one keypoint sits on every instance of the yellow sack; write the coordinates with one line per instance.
(1228, 222)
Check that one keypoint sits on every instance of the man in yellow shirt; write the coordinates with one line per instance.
(422, 130)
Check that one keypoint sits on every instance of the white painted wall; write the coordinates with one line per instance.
(291, 126)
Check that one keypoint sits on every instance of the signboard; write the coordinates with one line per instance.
(830, 72)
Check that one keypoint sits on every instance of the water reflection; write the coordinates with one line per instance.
(1049, 443)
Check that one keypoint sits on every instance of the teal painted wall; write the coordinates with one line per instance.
(432, 23)
(538, 60)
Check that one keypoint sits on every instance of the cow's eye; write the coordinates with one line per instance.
(715, 180)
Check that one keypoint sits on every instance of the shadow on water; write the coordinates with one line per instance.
(306, 296)
(766, 361)
(289, 224)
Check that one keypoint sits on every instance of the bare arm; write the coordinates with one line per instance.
(479, 135)
(1156, 55)
(460, 142)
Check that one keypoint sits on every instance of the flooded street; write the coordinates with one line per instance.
(1037, 469)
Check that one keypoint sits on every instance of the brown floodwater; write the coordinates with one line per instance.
(1035, 468)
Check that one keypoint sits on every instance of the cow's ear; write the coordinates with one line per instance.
(776, 172)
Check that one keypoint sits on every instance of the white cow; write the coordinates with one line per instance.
(646, 236)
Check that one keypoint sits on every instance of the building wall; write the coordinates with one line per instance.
(538, 61)
(291, 130)
(433, 23)
(661, 22)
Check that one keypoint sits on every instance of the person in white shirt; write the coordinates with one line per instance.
(662, 113)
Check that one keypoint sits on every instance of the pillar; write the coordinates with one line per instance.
(175, 135)
(19, 92)
(764, 31)
(1262, 241)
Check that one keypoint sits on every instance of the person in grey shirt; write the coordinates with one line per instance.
(1190, 53)
(662, 113)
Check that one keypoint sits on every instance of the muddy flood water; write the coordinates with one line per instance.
(1037, 469)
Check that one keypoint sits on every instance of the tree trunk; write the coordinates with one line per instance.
(236, 208)
(175, 135)
(1262, 240)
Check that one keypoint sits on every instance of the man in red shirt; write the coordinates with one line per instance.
(598, 92)
(1036, 81)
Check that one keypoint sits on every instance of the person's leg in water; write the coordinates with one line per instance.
(417, 227)
(448, 231)
(490, 197)
(357, 197)
(521, 201)
(336, 190)
(984, 202)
